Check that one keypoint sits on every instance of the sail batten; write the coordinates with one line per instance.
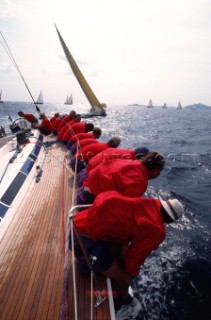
(94, 102)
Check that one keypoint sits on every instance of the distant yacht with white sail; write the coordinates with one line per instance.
(194, 107)
(40, 98)
(69, 99)
(150, 105)
(0, 97)
(179, 106)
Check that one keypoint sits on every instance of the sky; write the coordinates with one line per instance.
(130, 51)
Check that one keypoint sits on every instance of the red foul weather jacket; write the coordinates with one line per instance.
(81, 144)
(46, 124)
(85, 142)
(76, 128)
(66, 126)
(30, 117)
(91, 150)
(65, 120)
(134, 222)
(56, 123)
(82, 136)
(128, 177)
(53, 119)
(110, 154)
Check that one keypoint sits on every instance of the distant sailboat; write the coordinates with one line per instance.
(150, 105)
(69, 99)
(179, 105)
(0, 97)
(164, 106)
(194, 107)
(97, 109)
(40, 98)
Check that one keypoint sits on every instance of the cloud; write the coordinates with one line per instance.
(5, 68)
(11, 9)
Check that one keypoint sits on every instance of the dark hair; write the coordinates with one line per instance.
(114, 142)
(97, 132)
(153, 160)
(89, 127)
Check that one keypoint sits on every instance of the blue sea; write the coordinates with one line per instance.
(175, 282)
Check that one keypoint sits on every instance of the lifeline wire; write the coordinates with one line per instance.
(69, 232)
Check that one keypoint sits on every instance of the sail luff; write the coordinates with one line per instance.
(79, 76)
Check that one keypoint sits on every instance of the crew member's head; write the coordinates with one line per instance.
(154, 162)
(97, 132)
(114, 142)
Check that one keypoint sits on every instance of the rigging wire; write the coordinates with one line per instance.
(69, 233)
(10, 55)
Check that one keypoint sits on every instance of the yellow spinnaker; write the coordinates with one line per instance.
(79, 76)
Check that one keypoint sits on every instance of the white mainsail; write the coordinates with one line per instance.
(0, 97)
(150, 105)
(69, 99)
(179, 105)
(40, 98)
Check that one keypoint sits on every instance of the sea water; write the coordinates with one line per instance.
(175, 281)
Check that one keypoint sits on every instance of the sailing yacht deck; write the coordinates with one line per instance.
(32, 252)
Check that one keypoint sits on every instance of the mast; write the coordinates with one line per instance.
(79, 76)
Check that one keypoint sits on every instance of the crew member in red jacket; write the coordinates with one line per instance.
(132, 227)
(78, 145)
(76, 128)
(129, 177)
(71, 116)
(62, 121)
(109, 155)
(28, 116)
(95, 134)
(45, 127)
(83, 156)
(89, 151)
(54, 118)
(67, 124)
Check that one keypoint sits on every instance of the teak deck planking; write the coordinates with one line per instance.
(32, 253)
